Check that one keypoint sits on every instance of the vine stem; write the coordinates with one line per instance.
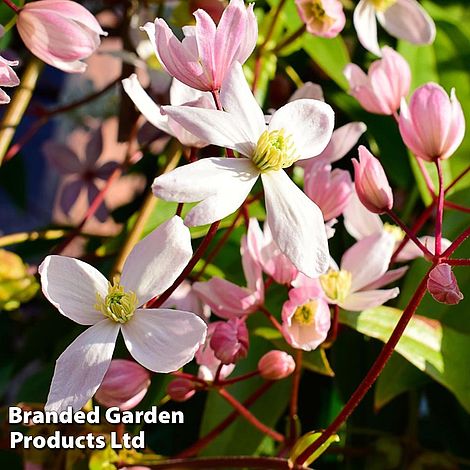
(294, 398)
(271, 317)
(373, 373)
(11, 5)
(456, 207)
(251, 418)
(289, 39)
(457, 179)
(440, 208)
(458, 262)
(456, 243)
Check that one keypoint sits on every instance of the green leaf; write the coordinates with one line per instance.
(316, 361)
(268, 333)
(305, 441)
(432, 347)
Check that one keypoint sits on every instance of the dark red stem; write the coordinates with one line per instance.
(440, 208)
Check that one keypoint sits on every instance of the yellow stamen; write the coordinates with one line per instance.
(394, 230)
(305, 314)
(118, 305)
(274, 150)
(336, 284)
(382, 5)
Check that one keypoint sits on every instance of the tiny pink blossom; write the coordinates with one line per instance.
(8, 77)
(324, 18)
(59, 32)
(181, 389)
(230, 341)
(386, 83)
(442, 285)
(124, 385)
(276, 365)
(371, 183)
(433, 126)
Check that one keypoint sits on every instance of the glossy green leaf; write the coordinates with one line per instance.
(305, 441)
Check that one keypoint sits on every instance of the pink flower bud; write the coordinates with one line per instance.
(387, 81)
(230, 341)
(59, 32)
(433, 125)
(442, 285)
(276, 365)
(124, 385)
(8, 77)
(181, 389)
(371, 183)
(323, 18)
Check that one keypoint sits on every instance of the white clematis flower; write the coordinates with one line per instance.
(298, 130)
(162, 340)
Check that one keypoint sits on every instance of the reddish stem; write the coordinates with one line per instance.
(440, 208)
(456, 180)
(294, 398)
(271, 318)
(240, 378)
(218, 104)
(458, 262)
(457, 207)
(333, 333)
(372, 375)
(193, 378)
(10, 4)
(456, 243)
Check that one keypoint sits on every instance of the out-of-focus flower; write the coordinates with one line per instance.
(59, 32)
(323, 18)
(215, 8)
(230, 340)
(403, 19)
(207, 52)
(180, 94)
(181, 389)
(228, 300)
(124, 385)
(8, 77)
(371, 183)
(162, 340)
(184, 297)
(306, 316)
(442, 285)
(276, 365)
(298, 130)
(16, 284)
(386, 83)
(433, 126)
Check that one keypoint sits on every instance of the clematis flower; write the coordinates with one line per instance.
(386, 83)
(230, 340)
(403, 19)
(8, 77)
(228, 300)
(207, 51)
(433, 126)
(161, 340)
(180, 94)
(324, 18)
(276, 365)
(298, 130)
(306, 316)
(59, 32)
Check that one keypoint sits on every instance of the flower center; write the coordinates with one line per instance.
(395, 231)
(336, 284)
(305, 314)
(274, 150)
(118, 305)
(382, 5)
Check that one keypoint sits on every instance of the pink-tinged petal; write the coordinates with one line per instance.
(310, 122)
(368, 259)
(157, 260)
(359, 301)
(387, 278)
(250, 36)
(238, 100)
(221, 184)
(366, 26)
(163, 340)
(457, 127)
(296, 224)
(205, 32)
(412, 251)
(69, 194)
(213, 126)
(4, 98)
(408, 132)
(359, 221)
(71, 286)
(408, 20)
(80, 369)
(181, 94)
(308, 90)
(227, 300)
(145, 104)
(251, 269)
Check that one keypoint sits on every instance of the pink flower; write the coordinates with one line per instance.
(371, 183)
(181, 389)
(207, 51)
(8, 77)
(403, 19)
(442, 285)
(323, 18)
(124, 385)
(387, 82)
(433, 126)
(59, 32)
(306, 316)
(230, 341)
(276, 365)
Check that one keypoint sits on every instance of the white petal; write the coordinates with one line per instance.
(359, 221)
(310, 122)
(163, 340)
(359, 301)
(366, 26)
(71, 286)
(80, 369)
(222, 185)
(387, 278)
(181, 93)
(157, 260)
(238, 100)
(296, 224)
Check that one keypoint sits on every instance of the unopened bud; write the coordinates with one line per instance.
(230, 341)
(181, 389)
(442, 285)
(276, 365)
